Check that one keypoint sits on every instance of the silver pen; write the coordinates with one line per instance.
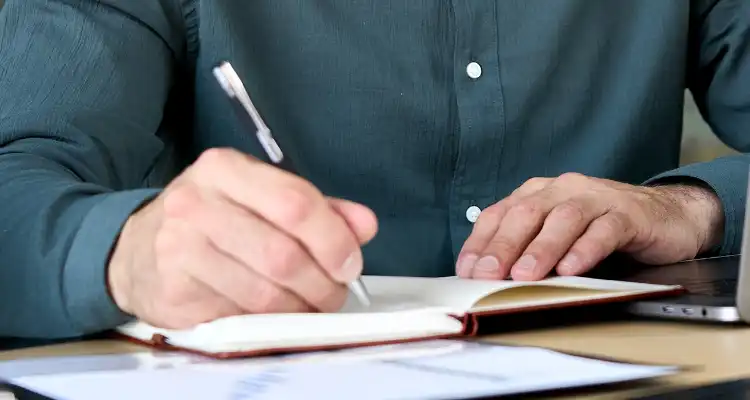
(244, 108)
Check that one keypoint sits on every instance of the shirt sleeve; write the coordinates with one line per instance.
(719, 79)
(84, 87)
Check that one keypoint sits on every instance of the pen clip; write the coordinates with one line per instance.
(232, 85)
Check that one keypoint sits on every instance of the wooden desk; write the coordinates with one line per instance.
(719, 353)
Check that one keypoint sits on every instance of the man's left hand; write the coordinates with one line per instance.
(573, 222)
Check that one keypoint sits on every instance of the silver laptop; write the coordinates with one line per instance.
(718, 289)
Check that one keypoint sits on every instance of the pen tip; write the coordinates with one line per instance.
(359, 290)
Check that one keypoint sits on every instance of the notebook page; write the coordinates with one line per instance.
(452, 293)
(462, 294)
(603, 284)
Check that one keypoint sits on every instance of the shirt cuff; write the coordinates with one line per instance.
(728, 178)
(86, 295)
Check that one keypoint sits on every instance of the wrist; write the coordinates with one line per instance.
(118, 281)
(131, 250)
(700, 205)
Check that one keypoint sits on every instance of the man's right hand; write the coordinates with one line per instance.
(233, 235)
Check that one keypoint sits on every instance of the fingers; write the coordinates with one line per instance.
(232, 235)
(520, 224)
(176, 300)
(290, 204)
(515, 230)
(228, 279)
(562, 227)
(190, 314)
(571, 222)
(531, 186)
(361, 220)
(272, 272)
(485, 229)
(182, 301)
(602, 237)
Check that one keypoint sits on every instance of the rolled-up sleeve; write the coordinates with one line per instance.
(83, 86)
(719, 80)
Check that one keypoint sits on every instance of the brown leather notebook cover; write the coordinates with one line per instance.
(404, 309)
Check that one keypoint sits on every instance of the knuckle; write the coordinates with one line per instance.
(486, 222)
(535, 182)
(531, 185)
(168, 241)
(614, 223)
(269, 298)
(525, 209)
(181, 200)
(586, 251)
(282, 258)
(297, 205)
(215, 157)
(572, 177)
(542, 247)
(501, 245)
(492, 213)
(213, 162)
(570, 211)
(176, 247)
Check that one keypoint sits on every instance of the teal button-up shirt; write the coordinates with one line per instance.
(420, 109)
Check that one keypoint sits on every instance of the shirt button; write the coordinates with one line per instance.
(474, 70)
(472, 213)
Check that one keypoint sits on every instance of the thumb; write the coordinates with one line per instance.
(361, 220)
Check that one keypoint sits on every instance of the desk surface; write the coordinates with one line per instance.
(718, 352)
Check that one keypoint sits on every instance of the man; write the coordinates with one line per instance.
(484, 138)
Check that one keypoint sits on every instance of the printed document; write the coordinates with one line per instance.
(429, 370)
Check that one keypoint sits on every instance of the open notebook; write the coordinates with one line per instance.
(403, 309)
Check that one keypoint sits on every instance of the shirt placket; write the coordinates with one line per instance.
(480, 117)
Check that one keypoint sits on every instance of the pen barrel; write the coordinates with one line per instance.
(264, 139)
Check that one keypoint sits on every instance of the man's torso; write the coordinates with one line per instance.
(374, 101)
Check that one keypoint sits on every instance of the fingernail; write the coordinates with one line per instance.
(465, 264)
(568, 264)
(525, 265)
(487, 264)
(352, 267)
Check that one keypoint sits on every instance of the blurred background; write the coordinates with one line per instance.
(698, 143)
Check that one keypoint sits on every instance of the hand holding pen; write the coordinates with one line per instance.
(250, 117)
(233, 235)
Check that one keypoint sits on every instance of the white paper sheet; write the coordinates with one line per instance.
(461, 371)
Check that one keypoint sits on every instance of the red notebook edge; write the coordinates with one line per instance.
(161, 343)
(475, 317)
(470, 329)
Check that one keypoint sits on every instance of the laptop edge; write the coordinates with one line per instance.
(722, 309)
